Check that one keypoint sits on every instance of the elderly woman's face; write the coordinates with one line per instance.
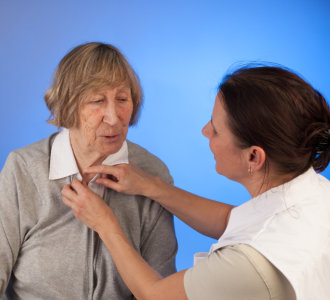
(103, 121)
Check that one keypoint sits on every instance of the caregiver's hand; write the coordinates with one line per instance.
(88, 207)
(125, 178)
(206, 216)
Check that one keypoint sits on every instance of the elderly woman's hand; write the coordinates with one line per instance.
(125, 178)
(88, 207)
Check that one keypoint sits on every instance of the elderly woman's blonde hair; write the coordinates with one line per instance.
(87, 68)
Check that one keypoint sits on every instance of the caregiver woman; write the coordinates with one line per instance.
(44, 250)
(270, 131)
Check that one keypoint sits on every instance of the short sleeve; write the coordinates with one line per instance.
(229, 273)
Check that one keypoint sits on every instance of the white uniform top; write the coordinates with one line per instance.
(290, 226)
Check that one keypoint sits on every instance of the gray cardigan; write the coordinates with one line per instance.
(48, 254)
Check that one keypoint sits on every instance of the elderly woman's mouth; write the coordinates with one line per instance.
(110, 138)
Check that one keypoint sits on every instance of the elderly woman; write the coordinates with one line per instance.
(44, 250)
(270, 131)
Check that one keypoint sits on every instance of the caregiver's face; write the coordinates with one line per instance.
(228, 156)
(103, 121)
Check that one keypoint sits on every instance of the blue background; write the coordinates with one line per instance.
(180, 50)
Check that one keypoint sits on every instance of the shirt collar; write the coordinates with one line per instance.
(284, 197)
(286, 194)
(63, 162)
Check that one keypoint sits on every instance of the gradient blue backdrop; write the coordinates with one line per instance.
(180, 50)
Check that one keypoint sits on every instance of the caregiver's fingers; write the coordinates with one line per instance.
(104, 169)
(111, 183)
(69, 192)
(80, 188)
(72, 204)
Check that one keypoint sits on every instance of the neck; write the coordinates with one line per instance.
(84, 157)
(255, 185)
(260, 182)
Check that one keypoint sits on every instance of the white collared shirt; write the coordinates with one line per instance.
(290, 226)
(63, 162)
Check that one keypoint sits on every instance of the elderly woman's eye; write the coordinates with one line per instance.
(96, 101)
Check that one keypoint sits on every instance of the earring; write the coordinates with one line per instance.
(250, 170)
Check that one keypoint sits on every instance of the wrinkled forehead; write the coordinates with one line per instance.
(101, 85)
(121, 88)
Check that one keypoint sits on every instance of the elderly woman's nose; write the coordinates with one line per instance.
(110, 115)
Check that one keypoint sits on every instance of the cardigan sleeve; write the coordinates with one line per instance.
(158, 241)
(16, 213)
(159, 245)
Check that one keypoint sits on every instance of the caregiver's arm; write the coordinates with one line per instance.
(206, 216)
(140, 278)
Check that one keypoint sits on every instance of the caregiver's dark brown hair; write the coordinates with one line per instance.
(275, 109)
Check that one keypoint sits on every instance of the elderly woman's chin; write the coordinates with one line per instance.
(107, 145)
(94, 144)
